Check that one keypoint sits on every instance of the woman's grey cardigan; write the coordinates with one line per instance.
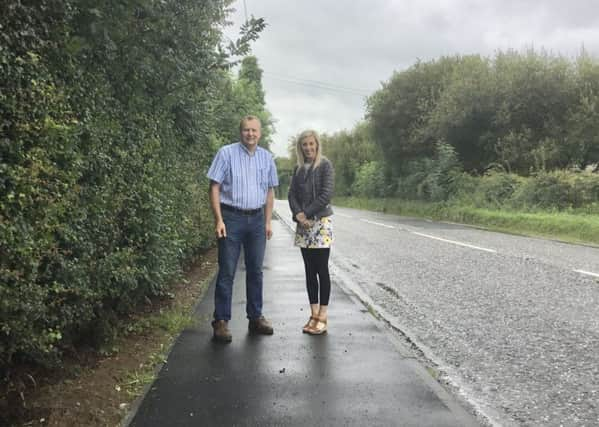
(311, 190)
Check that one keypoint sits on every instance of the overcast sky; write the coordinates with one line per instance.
(322, 58)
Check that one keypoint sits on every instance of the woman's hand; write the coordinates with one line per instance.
(301, 217)
(303, 221)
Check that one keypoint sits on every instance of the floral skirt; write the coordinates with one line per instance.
(320, 235)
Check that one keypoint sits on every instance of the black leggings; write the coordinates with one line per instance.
(316, 263)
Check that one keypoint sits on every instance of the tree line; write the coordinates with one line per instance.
(111, 112)
(459, 125)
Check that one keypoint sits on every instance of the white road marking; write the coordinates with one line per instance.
(588, 273)
(455, 243)
(376, 223)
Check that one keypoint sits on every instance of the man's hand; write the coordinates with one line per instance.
(219, 226)
(220, 230)
(268, 229)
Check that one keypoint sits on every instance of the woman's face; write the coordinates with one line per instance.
(309, 148)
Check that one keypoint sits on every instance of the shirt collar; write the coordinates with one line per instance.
(248, 152)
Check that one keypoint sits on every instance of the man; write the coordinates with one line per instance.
(242, 177)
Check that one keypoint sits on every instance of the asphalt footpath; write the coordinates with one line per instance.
(357, 374)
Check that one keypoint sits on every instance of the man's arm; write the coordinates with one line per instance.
(219, 226)
(270, 202)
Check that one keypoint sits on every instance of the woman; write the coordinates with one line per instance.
(310, 194)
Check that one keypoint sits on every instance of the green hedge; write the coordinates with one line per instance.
(111, 112)
(546, 191)
(558, 190)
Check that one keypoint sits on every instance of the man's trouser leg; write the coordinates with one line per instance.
(228, 256)
(254, 244)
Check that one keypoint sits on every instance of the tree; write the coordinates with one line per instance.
(348, 151)
(248, 99)
(285, 169)
(582, 136)
(463, 116)
(534, 90)
(400, 110)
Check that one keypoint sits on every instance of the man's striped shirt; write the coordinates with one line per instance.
(244, 178)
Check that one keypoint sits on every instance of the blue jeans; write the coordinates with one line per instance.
(247, 231)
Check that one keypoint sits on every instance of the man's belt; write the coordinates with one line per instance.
(240, 211)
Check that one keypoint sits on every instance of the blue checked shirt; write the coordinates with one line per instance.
(244, 178)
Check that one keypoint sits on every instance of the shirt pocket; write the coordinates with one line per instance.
(263, 179)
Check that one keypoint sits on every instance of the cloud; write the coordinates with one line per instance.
(321, 56)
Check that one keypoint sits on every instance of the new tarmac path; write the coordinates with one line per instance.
(358, 374)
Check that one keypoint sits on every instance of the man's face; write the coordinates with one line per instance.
(250, 133)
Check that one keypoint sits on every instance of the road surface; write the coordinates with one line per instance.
(510, 323)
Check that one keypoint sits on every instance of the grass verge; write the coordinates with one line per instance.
(169, 323)
(564, 226)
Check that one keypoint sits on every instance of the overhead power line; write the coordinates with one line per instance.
(318, 84)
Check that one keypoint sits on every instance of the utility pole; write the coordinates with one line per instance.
(245, 9)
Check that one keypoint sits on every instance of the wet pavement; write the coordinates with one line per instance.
(509, 323)
(357, 374)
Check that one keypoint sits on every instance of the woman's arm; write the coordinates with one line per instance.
(324, 188)
(292, 196)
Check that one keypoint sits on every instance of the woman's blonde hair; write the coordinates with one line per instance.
(298, 148)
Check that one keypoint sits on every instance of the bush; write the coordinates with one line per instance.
(496, 188)
(370, 180)
(585, 189)
(435, 182)
(543, 190)
(464, 189)
(408, 185)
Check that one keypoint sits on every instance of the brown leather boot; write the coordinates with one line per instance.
(260, 326)
(221, 331)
